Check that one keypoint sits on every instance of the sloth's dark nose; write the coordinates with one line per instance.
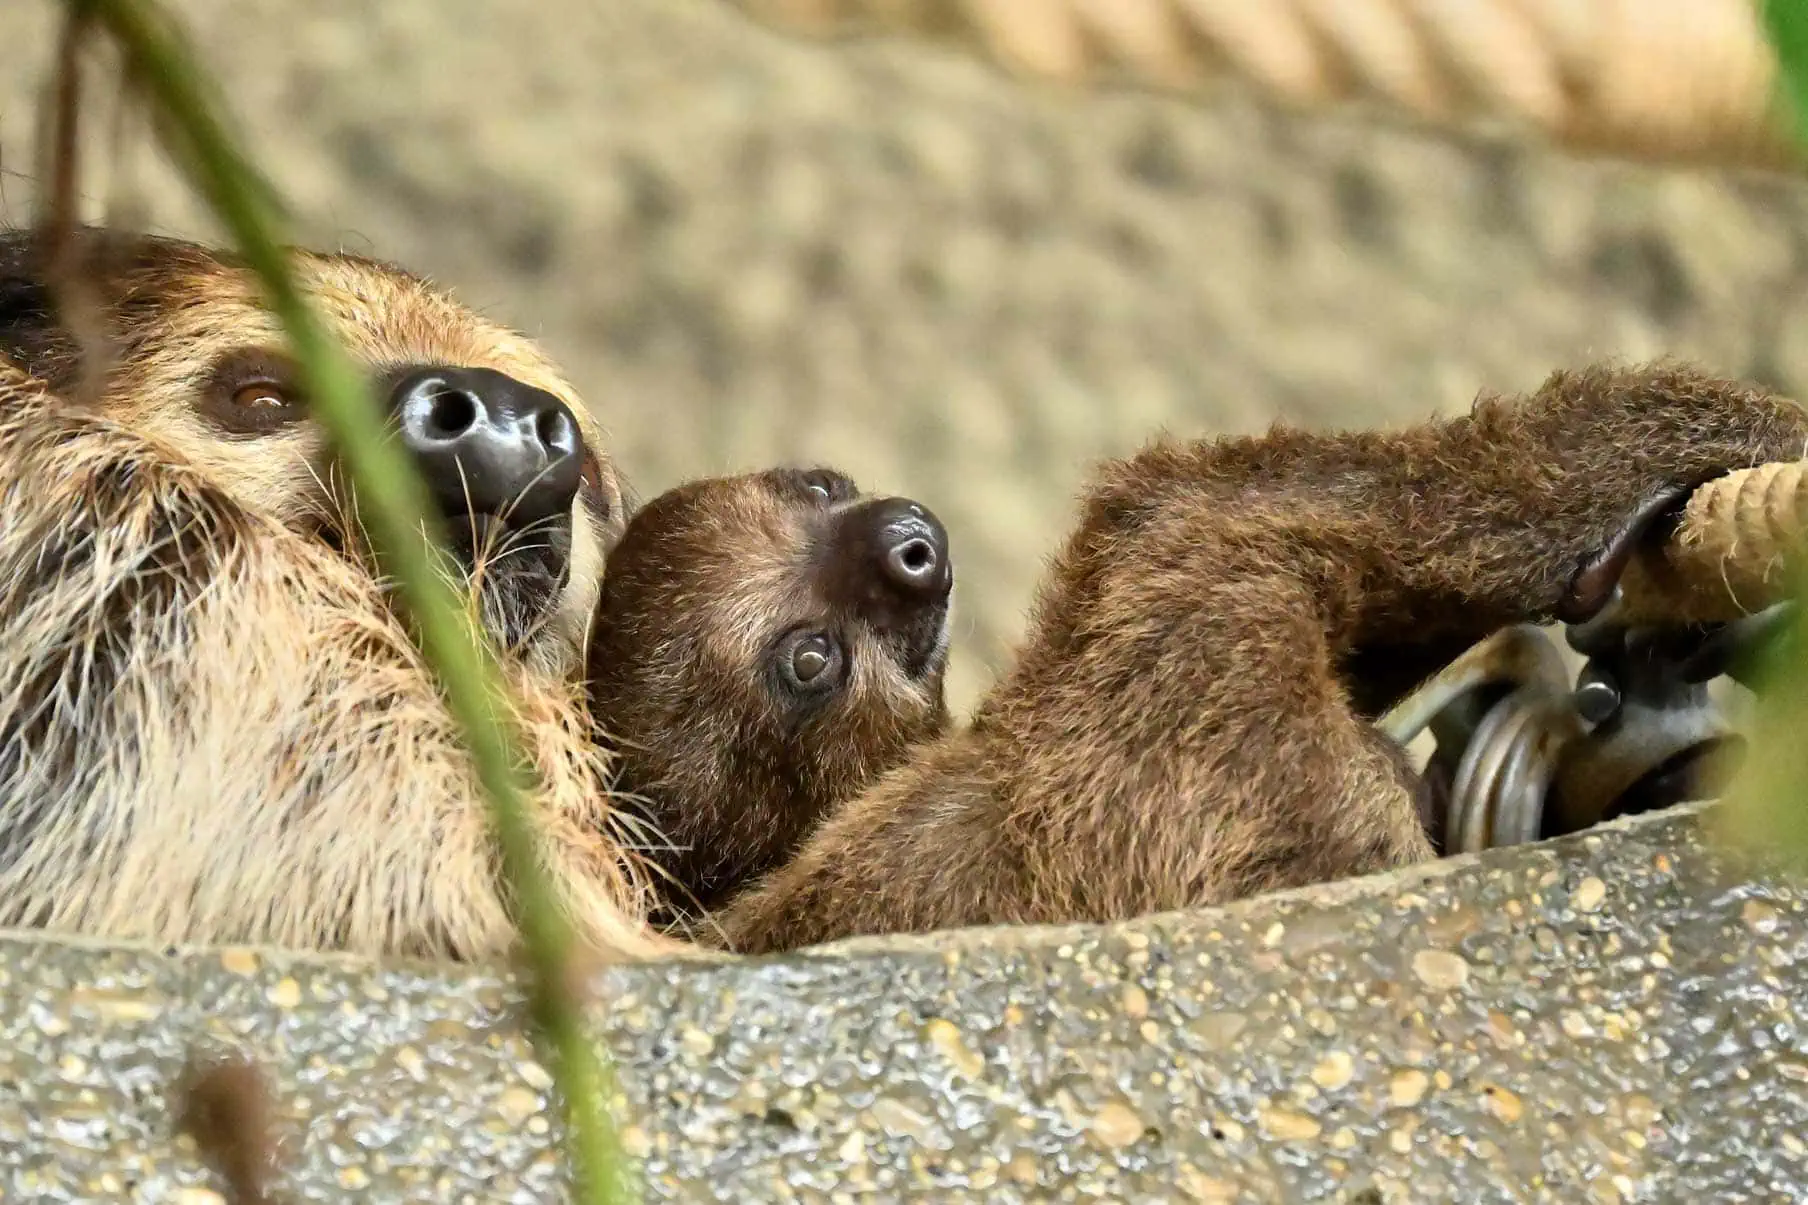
(489, 445)
(908, 546)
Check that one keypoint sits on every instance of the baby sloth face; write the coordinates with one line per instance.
(766, 646)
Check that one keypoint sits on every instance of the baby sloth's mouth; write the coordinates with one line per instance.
(503, 461)
(889, 564)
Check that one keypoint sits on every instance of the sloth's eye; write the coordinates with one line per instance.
(260, 395)
(251, 392)
(822, 485)
(811, 661)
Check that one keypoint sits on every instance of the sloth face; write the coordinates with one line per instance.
(195, 362)
(765, 646)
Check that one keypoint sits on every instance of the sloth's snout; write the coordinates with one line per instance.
(908, 547)
(490, 446)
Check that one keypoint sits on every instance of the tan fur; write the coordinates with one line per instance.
(176, 308)
(213, 728)
(1182, 726)
(733, 770)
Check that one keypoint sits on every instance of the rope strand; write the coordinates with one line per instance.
(1684, 80)
(1733, 552)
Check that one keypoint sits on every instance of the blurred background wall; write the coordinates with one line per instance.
(750, 250)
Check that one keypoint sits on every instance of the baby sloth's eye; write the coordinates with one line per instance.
(811, 661)
(825, 485)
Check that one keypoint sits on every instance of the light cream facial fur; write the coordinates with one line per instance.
(200, 311)
(213, 727)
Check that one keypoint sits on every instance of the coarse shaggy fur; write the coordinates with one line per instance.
(214, 728)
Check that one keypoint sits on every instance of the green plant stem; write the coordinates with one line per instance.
(1764, 810)
(392, 499)
(1786, 25)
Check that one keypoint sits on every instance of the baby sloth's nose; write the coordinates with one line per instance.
(910, 547)
(490, 445)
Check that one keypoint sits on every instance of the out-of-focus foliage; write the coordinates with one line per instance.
(393, 501)
(1767, 808)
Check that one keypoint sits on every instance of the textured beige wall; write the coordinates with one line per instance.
(750, 250)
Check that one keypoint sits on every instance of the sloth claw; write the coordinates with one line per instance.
(1597, 581)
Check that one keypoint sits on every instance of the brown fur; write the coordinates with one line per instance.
(732, 764)
(213, 728)
(1180, 730)
(224, 1104)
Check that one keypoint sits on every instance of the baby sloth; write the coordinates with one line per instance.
(1189, 719)
(765, 646)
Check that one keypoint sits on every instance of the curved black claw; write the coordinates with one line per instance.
(1596, 582)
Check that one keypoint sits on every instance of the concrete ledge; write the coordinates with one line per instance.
(1611, 1017)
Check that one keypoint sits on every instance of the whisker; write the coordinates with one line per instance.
(509, 508)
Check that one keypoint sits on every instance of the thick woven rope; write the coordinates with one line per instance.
(1735, 550)
(1689, 80)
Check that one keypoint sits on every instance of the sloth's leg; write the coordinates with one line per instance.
(1178, 730)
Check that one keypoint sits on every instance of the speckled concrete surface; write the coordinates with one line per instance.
(1615, 1017)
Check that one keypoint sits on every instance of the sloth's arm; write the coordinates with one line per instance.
(1178, 730)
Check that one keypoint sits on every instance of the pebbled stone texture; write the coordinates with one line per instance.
(750, 249)
(1613, 1017)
